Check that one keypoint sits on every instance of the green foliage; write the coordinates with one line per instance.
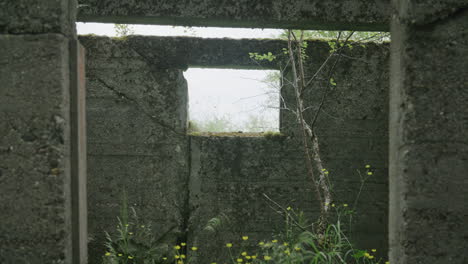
(298, 244)
(359, 36)
(123, 30)
(253, 123)
(260, 57)
(212, 124)
(133, 241)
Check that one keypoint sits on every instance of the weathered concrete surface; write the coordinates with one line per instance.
(35, 150)
(37, 16)
(229, 176)
(352, 129)
(429, 133)
(137, 116)
(305, 14)
(182, 52)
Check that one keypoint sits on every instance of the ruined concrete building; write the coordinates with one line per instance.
(83, 117)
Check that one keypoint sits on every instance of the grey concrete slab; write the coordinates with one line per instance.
(38, 16)
(429, 132)
(35, 169)
(304, 14)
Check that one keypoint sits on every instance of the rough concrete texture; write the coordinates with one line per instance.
(35, 150)
(137, 141)
(305, 14)
(181, 52)
(351, 129)
(229, 174)
(37, 16)
(429, 134)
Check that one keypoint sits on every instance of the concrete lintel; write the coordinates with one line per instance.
(371, 15)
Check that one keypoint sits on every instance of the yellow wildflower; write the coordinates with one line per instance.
(120, 254)
(229, 245)
(244, 253)
(130, 257)
(287, 252)
(289, 208)
(164, 258)
(297, 248)
(177, 257)
(194, 248)
(261, 243)
(183, 244)
(345, 205)
(180, 262)
(248, 257)
(177, 247)
(333, 205)
(285, 244)
(367, 166)
(374, 250)
(267, 258)
(366, 255)
(245, 238)
(182, 256)
(107, 254)
(274, 241)
(371, 257)
(369, 173)
(254, 256)
(130, 233)
(239, 260)
(387, 262)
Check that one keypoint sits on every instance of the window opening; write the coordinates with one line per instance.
(228, 100)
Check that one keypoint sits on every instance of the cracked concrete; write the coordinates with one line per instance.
(134, 80)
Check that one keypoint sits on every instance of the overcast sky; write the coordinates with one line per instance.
(236, 94)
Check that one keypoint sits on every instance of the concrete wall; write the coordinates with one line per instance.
(41, 159)
(310, 14)
(136, 120)
(137, 116)
(229, 176)
(429, 133)
(352, 129)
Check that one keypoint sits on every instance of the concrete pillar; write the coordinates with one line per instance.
(429, 132)
(42, 168)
